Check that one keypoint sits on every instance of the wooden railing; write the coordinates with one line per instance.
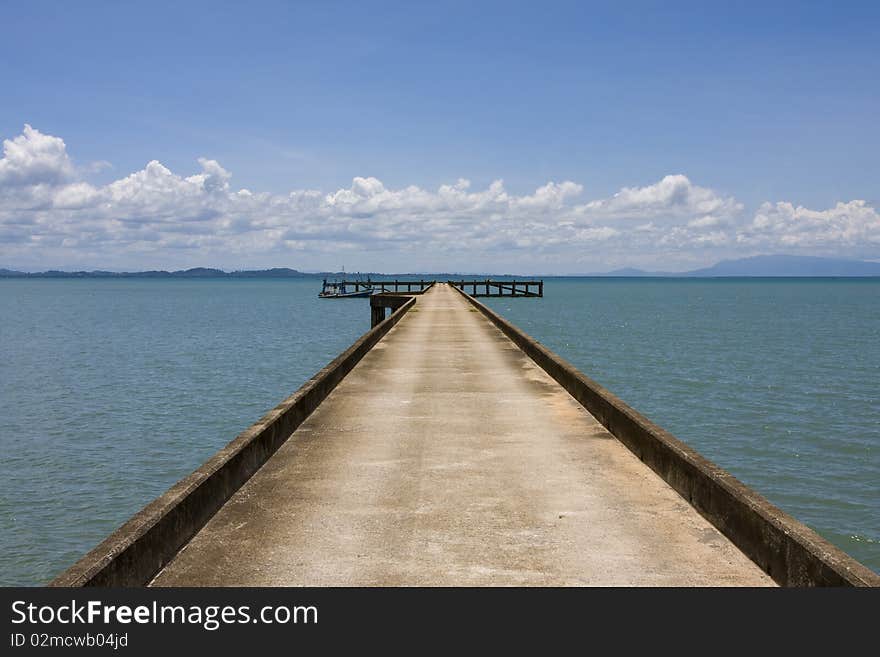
(490, 288)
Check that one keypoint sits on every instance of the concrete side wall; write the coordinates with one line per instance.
(135, 552)
(787, 550)
(394, 300)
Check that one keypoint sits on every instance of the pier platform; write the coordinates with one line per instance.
(448, 457)
(446, 447)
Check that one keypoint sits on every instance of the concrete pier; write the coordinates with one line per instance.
(446, 456)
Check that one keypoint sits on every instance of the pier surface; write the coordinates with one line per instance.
(448, 457)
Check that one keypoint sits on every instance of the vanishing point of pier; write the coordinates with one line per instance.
(448, 448)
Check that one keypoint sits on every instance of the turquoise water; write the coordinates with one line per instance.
(775, 380)
(111, 390)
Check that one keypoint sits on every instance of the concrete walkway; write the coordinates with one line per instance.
(447, 457)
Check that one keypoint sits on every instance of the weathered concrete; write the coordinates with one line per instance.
(789, 551)
(393, 300)
(448, 457)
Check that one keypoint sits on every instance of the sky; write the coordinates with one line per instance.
(552, 137)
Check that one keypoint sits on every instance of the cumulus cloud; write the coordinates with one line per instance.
(51, 216)
(673, 197)
(33, 159)
(850, 225)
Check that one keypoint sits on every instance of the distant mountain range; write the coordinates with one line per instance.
(197, 272)
(766, 265)
(784, 265)
(207, 272)
(769, 265)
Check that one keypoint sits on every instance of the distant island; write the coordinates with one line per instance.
(755, 266)
(196, 272)
(209, 272)
(768, 266)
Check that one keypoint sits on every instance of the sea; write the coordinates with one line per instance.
(113, 389)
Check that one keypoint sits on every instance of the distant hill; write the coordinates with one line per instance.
(765, 265)
(632, 271)
(196, 272)
(278, 272)
(787, 265)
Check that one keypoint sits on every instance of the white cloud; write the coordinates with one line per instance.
(75, 196)
(50, 216)
(673, 197)
(33, 158)
(847, 225)
(550, 196)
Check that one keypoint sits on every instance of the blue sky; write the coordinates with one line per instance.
(756, 104)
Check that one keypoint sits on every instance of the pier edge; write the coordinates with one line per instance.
(785, 548)
(135, 552)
